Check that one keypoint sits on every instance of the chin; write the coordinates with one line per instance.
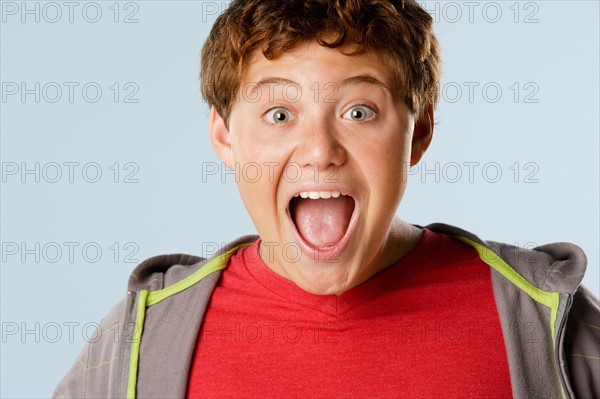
(323, 278)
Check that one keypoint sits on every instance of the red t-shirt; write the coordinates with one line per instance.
(425, 327)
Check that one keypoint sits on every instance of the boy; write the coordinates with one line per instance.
(331, 102)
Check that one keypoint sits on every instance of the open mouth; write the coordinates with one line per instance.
(322, 218)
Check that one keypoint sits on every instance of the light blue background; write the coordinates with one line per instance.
(171, 210)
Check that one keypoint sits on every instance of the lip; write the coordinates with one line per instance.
(330, 253)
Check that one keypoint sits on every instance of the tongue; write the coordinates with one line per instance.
(322, 222)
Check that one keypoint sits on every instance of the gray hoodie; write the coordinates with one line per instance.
(550, 323)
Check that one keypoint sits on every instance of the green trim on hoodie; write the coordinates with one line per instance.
(135, 344)
(548, 299)
(218, 263)
(149, 298)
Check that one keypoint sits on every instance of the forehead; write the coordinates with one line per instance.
(312, 63)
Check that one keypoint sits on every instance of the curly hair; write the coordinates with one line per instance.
(399, 31)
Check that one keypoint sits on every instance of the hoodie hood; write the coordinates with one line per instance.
(162, 271)
(557, 267)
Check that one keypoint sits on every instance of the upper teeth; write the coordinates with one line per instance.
(319, 194)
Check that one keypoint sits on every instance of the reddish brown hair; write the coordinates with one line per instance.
(399, 31)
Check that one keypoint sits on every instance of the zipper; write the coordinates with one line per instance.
(559, 334)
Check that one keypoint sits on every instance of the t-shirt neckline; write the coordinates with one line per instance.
(391, 278)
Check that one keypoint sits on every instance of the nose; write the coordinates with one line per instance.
(320, 146)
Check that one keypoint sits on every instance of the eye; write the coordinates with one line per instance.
(359, 113)
(278, 115)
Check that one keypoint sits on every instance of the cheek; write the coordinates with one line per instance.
(250, 146)
(258, 180)
(386, 177)
(387, 161)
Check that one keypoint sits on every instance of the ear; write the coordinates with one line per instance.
(422, 134)
(220, 138)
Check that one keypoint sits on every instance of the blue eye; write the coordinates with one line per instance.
(278, 115)
(359, 113)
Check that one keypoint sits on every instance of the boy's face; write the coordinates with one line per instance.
(315, 121)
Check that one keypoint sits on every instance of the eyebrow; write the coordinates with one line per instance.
(365, 79)
(270, 81)
(353, 80)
